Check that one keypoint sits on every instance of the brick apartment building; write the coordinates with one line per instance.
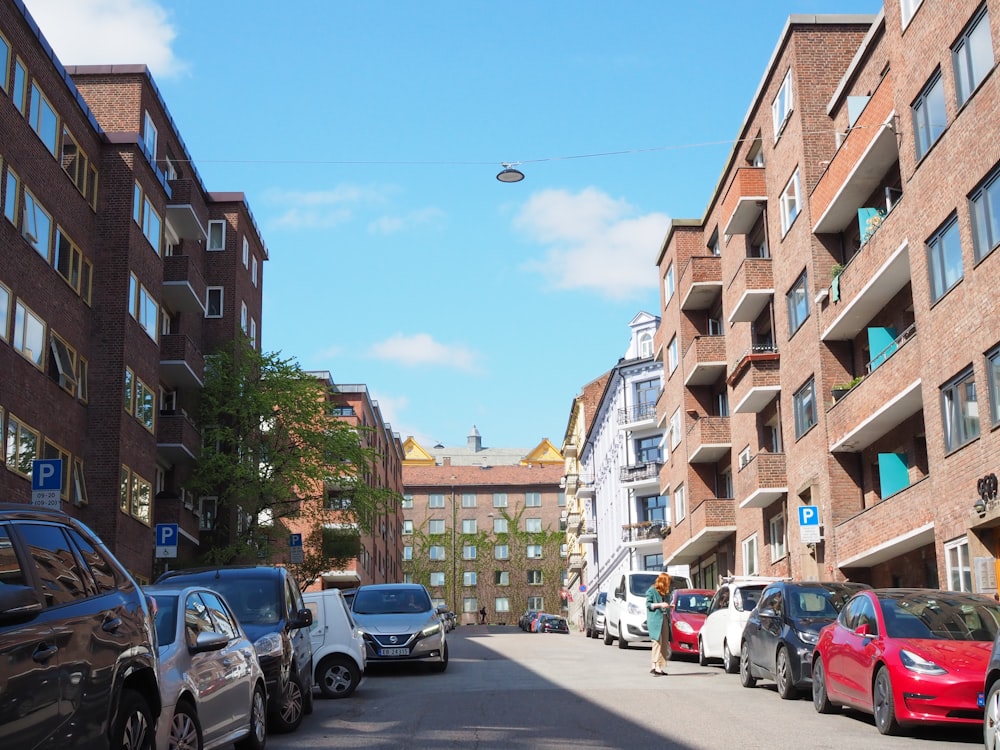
(120, 272)
(849, 242)
(485, 527)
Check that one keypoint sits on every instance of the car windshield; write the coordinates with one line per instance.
(940, 617)
(391, 601)
(602, 598)
(817, 602)
(255, 601)
(166, 618)
(694, 603)
(639, 584)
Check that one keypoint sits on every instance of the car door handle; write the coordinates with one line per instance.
(111, 624)
(44, 652)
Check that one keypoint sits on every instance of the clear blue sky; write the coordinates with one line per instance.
(367, 136)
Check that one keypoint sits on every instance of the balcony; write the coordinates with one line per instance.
(867, 153)
(183, 285)
(640, 473)
(700, 283)
(709, 524)
(705, 360)
(178, 441)
(639, 415)
(576, 561)
(762, 480)
(644, 535)
(709, 440)
(753, 286)
(573, 522)
(181, 364)
(588, 531)
(755, 380)
(182, 217)
(894, 387)
(745, 200)
(905, 522)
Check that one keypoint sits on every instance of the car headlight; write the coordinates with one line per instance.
(684, 627)
(633, 609)
(268, 645)
(808, 636)
(430, 630)
(919, 664)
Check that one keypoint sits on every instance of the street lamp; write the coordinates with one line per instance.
(510, 174)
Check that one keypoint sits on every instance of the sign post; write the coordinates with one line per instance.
(46, 482)
(295, 553)
(809, 531)
(166, 540)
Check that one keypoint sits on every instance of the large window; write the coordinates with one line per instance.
(469, 552)
(436, 552)
(435, 526)
(143, 307)
(672, 355)
(532, 499)
(960, 410)
(407, 552)
(534, 578)
(437, 578)
(4, 313)
(906, 10)
(972, 55)
(781, 107)
(957, 562)
(216, 235)
(533, 525)
(984, 209)
(435, 501)
(407, 527)
(36, 225)
(501, 604)
(499, 525)
(136, 495)
(499, 499)
(501, 577)
(501, 552)
(147, 217)
(43, 119)
(797, 300)
(468, 500)
(407, 502)
(647, 450)
(29, 334)
(534, 551)
(791, 203)
(929, 117)
(213, 301)
(5, 63)
(804, 405)
(653, 508)
(468, 525)
(470, 604)
(944, 259)
(469, 578)
(536, 603)
(10, 196)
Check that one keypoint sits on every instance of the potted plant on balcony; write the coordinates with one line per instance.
(840, 390)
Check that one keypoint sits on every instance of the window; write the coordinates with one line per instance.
(436, 552)
(668, 284)
(469, 526)
(960, 411)
(533, 525)
(992, 374)
(253, 270)
(67, 259)
(653, 508)
(145, 404)
(804, 405)
(984, 209)
(645, 345)
(929, 118)
(470, 604)
(143, 307)
(150, 136)
(776, 536)
(435, 501)
(22, 446)
(499, 525)
(10, 203)
(407, 527)
(674, 430)
(408, 578)
(137, 493)
(468, 500)
(437, 579)
(407, 502)
(82, 389)
(972, 56)
(652, 562)
(797, 300)
(672, 357)
(534, 551)
(501, 604)
(246, 252)
(253, 333)
(750, 556)
(906, 10)
(43, 119)
(647, 450)
(435, 526)
(4, 313)
(532, 499)
(944, 259)
(147, 218)
(790, 203)
(469, 578)
(536, 603)
(501, 578)
(781, 107)
(29, 334)
(680, 504)
(216, 235)
(5, 62)
(244, 317)
(957, 562)
(501, 552)
(36, 225)
(62, 365)
(19, 94)
(77, 487)
(561, 500)
(213, 301)
(534, 578)
(407, 552)
(499, 499)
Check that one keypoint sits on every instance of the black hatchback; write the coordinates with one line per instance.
(778, 638)
(78, 666)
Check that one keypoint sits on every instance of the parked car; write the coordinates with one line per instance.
(449, 619)
(625, 610)
(78, 666)
(524, 621)
(907, 656)
(593, 614)
(337, 646)
(553, 624)
(211, 684)
(722, 631)
(687, 614)
(781, 631)
(270, 609)
(400, 623)
(991, 691)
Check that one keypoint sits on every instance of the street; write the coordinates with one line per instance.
(508, 689)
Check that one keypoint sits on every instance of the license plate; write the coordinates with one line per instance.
(394, 652)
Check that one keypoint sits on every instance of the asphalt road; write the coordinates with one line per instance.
(508, 689)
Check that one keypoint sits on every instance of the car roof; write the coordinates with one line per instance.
(178, 589)
(223, 571)
(390, 586)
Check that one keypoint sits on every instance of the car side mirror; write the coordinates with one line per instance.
(208, 641)
(768, 612)
(18, 603)
(864, 631)
(303, 619)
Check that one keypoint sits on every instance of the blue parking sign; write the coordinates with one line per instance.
(166, 539)
(46, 474)
(808, 515)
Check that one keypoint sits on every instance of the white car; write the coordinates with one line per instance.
(721, 635)
(338, 647)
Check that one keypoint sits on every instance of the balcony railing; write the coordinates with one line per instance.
(637, 413)
(640, 472)
(753, 287)
(643, 531)
(701, 282)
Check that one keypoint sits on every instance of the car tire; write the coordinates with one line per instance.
(307, 693)
(883, 704)
(440, 666)
(337, 676)
(747, 679)
(783, 675)
(185, 729)
(290, 707)
(991, 718)
(257, 738)
(622, 643)
(821, 699)
(133, 728)
(702, 659)
(729, 662)
(608, 640)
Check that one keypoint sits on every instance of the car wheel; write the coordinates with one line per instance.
(257, 738)
(821, 700)
(991, 719)
(337, 676)
(883, 705)
(622, 643)
(702, 659)
(440, 666)
(291, 707)
(133, 729)
(185, 730)
(607, 636)
(729, 662)
(747, 679)
(783, 675)
(307, 693)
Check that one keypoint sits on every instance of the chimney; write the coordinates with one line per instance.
(475, 441)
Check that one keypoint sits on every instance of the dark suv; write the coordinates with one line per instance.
(78, 667)
(270, 608)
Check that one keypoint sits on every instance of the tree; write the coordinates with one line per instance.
(273, 452)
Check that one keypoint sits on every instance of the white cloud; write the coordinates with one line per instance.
(305, 209)
(107, 32)
(422, 349)
(595, 241)
(393, 224)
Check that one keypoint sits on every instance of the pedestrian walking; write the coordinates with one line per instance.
(482, 616)
(658, 620)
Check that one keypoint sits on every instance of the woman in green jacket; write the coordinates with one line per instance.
(657, 605)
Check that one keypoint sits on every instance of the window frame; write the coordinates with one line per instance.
(954, 421)
(962, 565)
(669, 285)
(751, 551)
(782, 105)
(41, 106)
(924, 135)
(790, 201)
(939, 250)
(797, 303)
(208, 298)
(776, 526)
(993, 383)
(19, 334)
(804, 407)
(532, 499)
(209, 242)
(963, 56)
(984, 215)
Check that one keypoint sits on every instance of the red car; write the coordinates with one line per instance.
(687, 615)
(907, 656)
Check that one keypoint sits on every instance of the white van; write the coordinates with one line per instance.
(338, 649)
(625, 611)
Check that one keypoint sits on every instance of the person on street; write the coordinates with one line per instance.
(657, 608)
(482, 616)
